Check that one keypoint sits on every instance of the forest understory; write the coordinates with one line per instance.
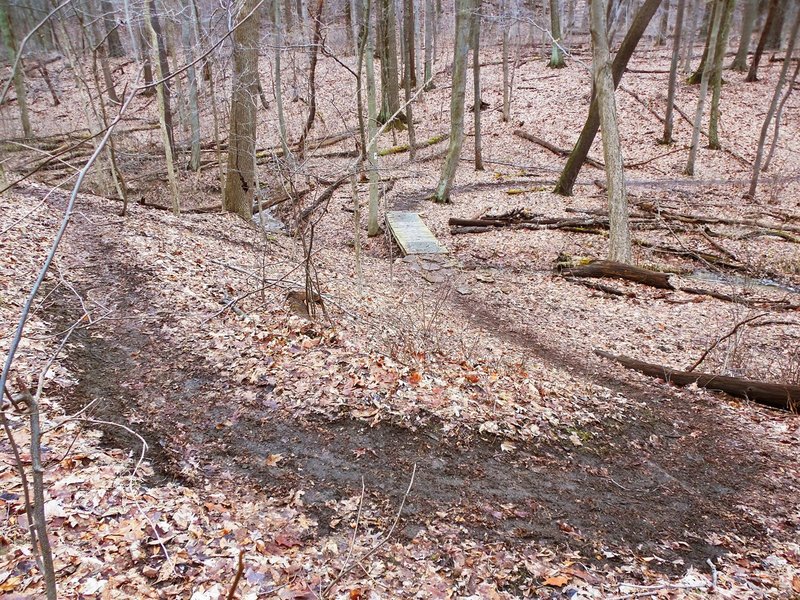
(442, 427)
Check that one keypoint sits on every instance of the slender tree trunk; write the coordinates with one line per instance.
(748, 24)
(409, 76)
(695, 77)
(556, 56)
(696, 4)
(581, 150)
(772, 108)
(775, 32)
(187, 37)
(278, 81)
(506, 76)
(162, 93)
(372, 128)
(778, 114)
(457, 97)
(752, 74)
(430, 24)
(716, 76)
(619, 239)
(698, 117)
(7, 33)
(240, 181)
(663, 26)
(476, 82)
(673, 72)
(312, 77)
(115, 49)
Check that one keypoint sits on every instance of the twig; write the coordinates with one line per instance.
(238, 577)
(380, 544)
(723, 338)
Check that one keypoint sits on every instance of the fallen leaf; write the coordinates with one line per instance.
(557, 581)
(273, 459)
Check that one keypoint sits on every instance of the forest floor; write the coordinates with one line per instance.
(444, 429)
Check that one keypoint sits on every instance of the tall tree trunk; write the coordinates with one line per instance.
(506, 76)
(457, 97)
(390, 88)
(430, 24)
(716, 75)
(7, 33)
(556, 56)
(692, 33)
(698, 117)
(409, 74)
(476, 82)
(115, 49)
(695, 77)
(752, 74)
(748, 24)
(619, 239)
(162, 93)
(663, 26)
(673, 72)
(372, 127)
(581, 150)
(312, 77)
(775, 32)
(773, 107)
(240, 181)
(187, 37)
(276, 5)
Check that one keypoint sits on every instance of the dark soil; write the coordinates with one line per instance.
(656, 485)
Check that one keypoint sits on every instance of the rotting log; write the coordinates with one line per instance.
(399, 149)
(617, 270)
(774, 395)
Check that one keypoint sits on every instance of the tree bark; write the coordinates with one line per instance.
(673, 72)
(556, 55)
(698, 116)
(619, 239)
(721, 45)
(387, 49)
(576, 159)
(372, 127)
(748, 24)
(115, 49)
(773, 107)
(240, 181)
(752, 73)
(476, 83)
(430, 24)
(409, 73)
(457, 97)
(7, 33)
(187, 37)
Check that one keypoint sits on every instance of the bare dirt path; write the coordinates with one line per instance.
(670, 484)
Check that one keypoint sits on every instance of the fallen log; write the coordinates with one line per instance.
(563, 152)
(418, 146)
(774, 395)
(617, 270)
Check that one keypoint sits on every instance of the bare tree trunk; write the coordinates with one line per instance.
(115, 49)
(619, 239)
(278, 81)
(372, 127)
(162, 93)
(752, 74)
(695, 77)
(387, 48)
(476, 82)
(430, 24)
(240, 181)
(581, 150)
(716, 75)
(663, 26)
(457, 97)
(775, 32)
(187, 36)
(506, 76)
(696, 4)
(556, 57)
(409, 73)
(698, 117)
(772, 108)
(673, 72)
(778, 113)
(748, 24)
(7, 33)
(312, 77)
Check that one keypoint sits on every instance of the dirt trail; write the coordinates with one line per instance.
(659, 485)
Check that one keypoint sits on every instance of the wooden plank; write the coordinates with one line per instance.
(411, 234)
